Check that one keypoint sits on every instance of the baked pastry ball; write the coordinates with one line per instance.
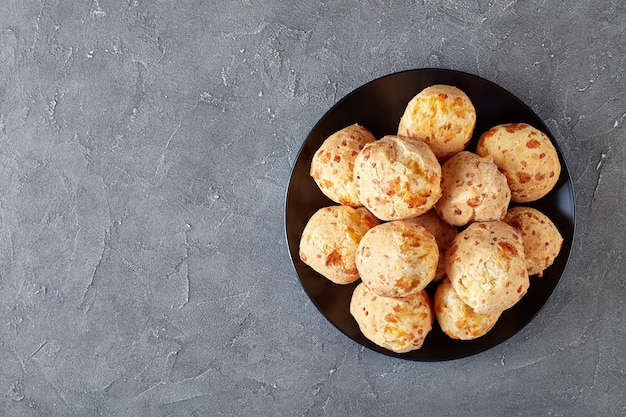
(542, 240)
(443, 233)
(397, 178)
(330, 240)
(443, 116)
(486, 266)
(472, 190)
(333, 162)
(526, 156)
(397, 258)
(457, 319)
(397, 324)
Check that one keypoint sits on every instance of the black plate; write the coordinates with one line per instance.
(378, 105)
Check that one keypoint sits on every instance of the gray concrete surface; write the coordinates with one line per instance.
(145, 150)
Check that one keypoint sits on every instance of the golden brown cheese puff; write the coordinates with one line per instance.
(526, 156)
(330, 240)
(542, 240)
(397, 178)
(486, 266)
(443, 233)
(443, 116)
(397, 324)
(333, 163)
(397, 258)
(457, 319)
(472, 190)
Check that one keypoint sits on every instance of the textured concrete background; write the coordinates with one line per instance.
(145, 151)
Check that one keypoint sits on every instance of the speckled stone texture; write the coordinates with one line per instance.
(145, 151)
